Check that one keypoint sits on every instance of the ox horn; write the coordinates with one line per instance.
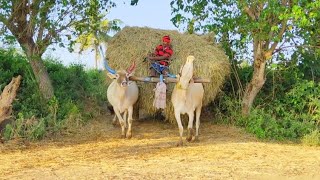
(132, 67)
(105, 62)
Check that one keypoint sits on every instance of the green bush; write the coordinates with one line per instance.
(312, 139)
(8, 132)
(292, 116)
(28, 99)
(287, 107)
(74, 89)
(267, 126)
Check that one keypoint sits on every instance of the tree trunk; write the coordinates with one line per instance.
(34, 53)
(96, 50)
(6, 98)
(42, 77)
(256, 83)
(96, 58)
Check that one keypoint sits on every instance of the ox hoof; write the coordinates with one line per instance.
(196, 139)
(129, 136)
(190, 134)
(123, 136)
(189, 138)
(114, 123)
(179, 143)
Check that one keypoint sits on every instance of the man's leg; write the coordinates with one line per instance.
(152, 72)
(165, 72)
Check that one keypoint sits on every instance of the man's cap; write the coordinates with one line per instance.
(166, 39)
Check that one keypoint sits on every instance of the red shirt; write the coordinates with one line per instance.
(163, 51)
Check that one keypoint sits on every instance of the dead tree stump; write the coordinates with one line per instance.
(6, 98)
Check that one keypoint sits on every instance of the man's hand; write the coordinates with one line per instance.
(148, 58)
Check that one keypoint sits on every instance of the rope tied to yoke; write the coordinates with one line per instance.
(160, 95)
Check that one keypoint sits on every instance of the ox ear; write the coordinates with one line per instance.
(131, 69)
(180, 71)
(179, 74)
(113, 76)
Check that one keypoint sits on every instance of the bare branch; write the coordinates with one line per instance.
(249, 12)
(34, 9)
(4, 20)
(62, 16)
(295, 46)
(282, 31)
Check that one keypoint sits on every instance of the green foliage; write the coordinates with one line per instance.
(31, 128)
(266, 125)
(67, 81)
(234, 22)
(12, 60)
(226, 108)
(309, 63)
(8, 132)
(287, 107)
(95, 29)
(75, 88)
(254, 30)
(64, 18)
(35, 25)
(96, 86)
(312, 139)
(239, 22)
(13, 64)
(37, 131)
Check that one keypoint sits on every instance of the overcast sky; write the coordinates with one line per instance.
(148, 13)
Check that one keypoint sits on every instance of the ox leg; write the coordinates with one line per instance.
(130, 112)
(178, 118)
(125, 118)
(198, 113)
(122, 123)
(190, 129)
(114, 120)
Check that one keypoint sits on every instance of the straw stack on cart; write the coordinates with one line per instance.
(134, 43)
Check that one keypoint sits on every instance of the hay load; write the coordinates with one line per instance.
(134, 43)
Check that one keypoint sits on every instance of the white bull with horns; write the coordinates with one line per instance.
(187, 98)
(122, 94)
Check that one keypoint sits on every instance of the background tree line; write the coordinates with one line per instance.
(273, 47)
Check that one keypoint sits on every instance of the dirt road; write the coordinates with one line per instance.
(97, 152)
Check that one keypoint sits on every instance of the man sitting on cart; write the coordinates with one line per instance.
(160, 58)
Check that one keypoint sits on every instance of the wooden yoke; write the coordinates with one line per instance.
(165, 79)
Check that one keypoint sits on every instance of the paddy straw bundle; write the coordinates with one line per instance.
(134, 43)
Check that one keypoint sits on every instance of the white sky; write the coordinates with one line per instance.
(148, 13)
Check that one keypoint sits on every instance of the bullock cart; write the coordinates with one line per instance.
(132, 44)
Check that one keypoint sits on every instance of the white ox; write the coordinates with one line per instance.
(187, 98)
(122, 95)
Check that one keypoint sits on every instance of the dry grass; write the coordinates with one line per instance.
(134, 43)
(96, 152)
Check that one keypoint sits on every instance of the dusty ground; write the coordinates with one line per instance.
(97, 152)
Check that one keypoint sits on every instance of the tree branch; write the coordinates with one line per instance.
(249, 12)
(34, 10)
(282, 31)
(296, 46)
(4, 20)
